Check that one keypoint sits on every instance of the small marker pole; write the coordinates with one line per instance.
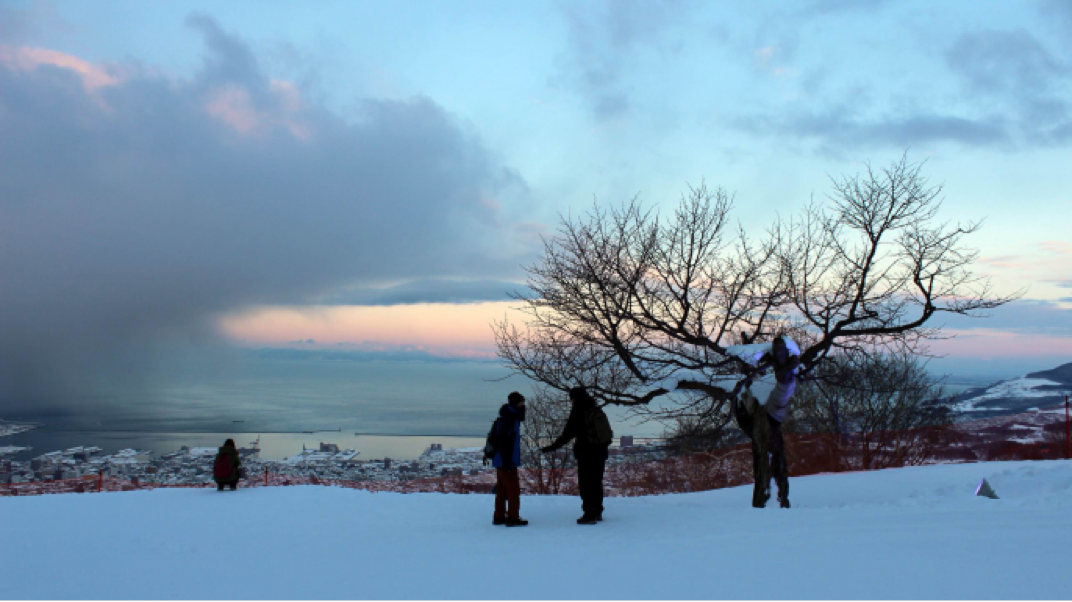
(265, 476)
(100, 480)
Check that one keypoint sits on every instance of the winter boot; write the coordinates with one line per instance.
(516, 522)
(498, 520)
(587, 520)
(234, 486)
(219, 487)
(783, 502)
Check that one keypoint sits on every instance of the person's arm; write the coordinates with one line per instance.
(764, 363)
(568, 432)
(793, 363)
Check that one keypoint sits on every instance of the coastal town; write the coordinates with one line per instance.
(193, 465)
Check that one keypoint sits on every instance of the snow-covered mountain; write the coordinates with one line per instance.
(1015, 395)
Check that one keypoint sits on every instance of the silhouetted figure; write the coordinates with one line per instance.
(226, 468)
(767, 435)
(507, 459)
(589, 427)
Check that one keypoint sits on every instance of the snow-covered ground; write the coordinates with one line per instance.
(907, 533)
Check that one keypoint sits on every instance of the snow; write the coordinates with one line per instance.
(1015, 388)
(754, 352)
(670, 383)
(907, 533)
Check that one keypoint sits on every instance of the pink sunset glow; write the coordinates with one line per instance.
(26, 58)
(462, 330)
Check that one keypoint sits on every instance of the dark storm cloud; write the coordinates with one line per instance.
(432, 290)
(134, 208)
(606, 39)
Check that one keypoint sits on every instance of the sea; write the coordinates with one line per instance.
(393, 409)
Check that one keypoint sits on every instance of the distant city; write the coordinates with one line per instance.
(193, 465)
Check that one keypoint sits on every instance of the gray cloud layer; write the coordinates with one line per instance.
(133, 213)
(1025, 316)
(432, 290)
(1013, 91)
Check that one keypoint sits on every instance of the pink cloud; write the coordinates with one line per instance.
(443, 329)
(1056, 246)
(996, 344)
(233, 105)
(1049, 263)
(26, 58)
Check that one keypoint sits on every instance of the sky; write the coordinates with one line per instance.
(376, 175)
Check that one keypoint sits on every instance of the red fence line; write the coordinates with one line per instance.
(727, 467)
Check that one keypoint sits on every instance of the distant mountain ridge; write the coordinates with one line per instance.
(1061, 374)
(1015, 395)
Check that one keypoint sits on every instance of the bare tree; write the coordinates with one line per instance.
(875, 411)
(544, 420)
(644, 310)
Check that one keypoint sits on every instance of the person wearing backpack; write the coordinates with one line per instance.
(504, 447)
(225, 470)
(590, 429)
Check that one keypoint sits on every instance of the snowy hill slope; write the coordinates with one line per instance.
(907, 533)
(1015, 395)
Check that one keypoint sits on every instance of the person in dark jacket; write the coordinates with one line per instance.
(506, 461)
(767, 438)
(231, 479)
(591, 455)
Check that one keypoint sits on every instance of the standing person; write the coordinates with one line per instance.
(506, 461)
(225, 470)
(767, 438)
(589, 426)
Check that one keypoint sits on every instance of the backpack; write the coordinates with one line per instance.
(224, 468)
(598, 426)
(491, 444)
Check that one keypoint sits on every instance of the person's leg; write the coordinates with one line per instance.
(219, 486)
(745, 421)
(585, 476)
(597, 488)
(500, 495)
(779, 466)
(760, 491)
(512, 481)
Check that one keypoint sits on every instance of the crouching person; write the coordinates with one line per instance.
(589, 427)
(226, 469)
(506, 460)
